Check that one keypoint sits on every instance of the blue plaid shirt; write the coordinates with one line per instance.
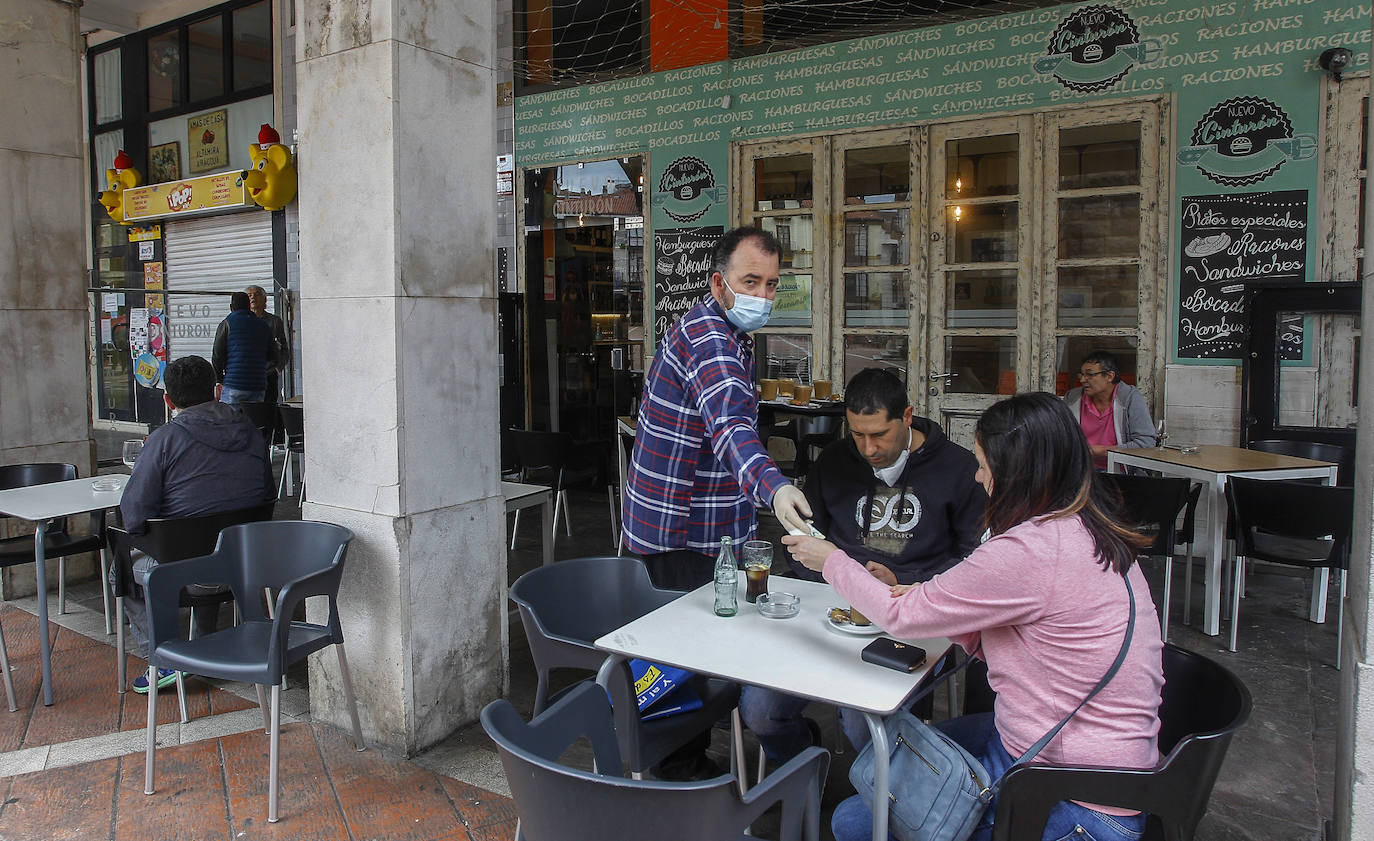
(698, 469)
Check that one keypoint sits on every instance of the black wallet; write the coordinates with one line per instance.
(902, 656)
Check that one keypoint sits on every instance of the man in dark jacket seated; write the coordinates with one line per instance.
(896, 494)
(209, 458)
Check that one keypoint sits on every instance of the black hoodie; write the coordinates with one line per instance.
(937, 524)
(207, 459)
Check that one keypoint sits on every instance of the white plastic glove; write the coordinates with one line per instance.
(792, 509)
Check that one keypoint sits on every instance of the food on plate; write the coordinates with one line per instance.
(1207, 246)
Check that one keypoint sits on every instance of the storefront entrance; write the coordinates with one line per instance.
(976, 258)
(584, 288)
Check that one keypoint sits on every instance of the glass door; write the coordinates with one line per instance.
(979, 337)
(876, 251)
(785, 189)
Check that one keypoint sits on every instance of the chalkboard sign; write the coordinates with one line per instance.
(682, 272)
(1228, 242)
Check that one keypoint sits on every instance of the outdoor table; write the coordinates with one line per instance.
(1213, 465)
(801, 656)
(38, 504)
(519, 495)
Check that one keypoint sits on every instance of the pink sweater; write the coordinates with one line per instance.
(1050, 619)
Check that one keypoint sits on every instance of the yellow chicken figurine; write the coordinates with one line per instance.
(121, 178)
(272, 180)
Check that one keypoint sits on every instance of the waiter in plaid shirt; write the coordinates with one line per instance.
(698, 469)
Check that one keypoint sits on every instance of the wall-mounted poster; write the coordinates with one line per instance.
(208, 140)
(164, 163)
(1230, 241)
(682, 272)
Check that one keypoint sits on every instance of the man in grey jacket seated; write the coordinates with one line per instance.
(1110, 413)
(209, 458)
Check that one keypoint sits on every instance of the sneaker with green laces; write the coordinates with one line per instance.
(165, 678)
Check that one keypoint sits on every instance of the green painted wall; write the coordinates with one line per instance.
(1205, 56)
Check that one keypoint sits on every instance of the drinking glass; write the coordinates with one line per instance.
(132, 449)
(1161, 435)
(757, 556)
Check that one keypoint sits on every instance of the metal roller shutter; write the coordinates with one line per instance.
(222, 254)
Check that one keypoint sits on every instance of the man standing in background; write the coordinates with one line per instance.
(280, 352)
(243, 349)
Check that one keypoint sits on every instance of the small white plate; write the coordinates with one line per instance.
(851, 628)
(105, 484)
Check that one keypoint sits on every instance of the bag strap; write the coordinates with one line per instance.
(1120, 658)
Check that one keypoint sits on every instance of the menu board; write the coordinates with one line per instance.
(1230, 241)
(682, 272)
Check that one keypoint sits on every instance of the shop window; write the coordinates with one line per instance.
(866, 351)
(109, 86)
(1070, 350)
(252, 45)
(205, 58)
(564, 44)
(981, 364)
(164, 71)
(784, 356)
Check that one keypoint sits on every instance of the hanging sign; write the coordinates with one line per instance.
(147, 370)
(152, 279)
(188, 197)
(208, 136)
(682, 272)
(1230, 241)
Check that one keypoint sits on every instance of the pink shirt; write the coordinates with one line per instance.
(1098, 427)
(1051, 620)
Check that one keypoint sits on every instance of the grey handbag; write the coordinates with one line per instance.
(938, 790)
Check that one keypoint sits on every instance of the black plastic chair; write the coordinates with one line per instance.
(1153, 503)
(1290, 523)
(169, 540)
(806, 432)
(293, 431)
(567, 606)
(1202, 707)
(1342, 457)
(1186, 534)
(58, 542)
(556, 458)
(265, 417)
(295, 558)
(557, 802)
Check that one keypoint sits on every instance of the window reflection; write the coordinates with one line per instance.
(875, 299)
(862, 352)
(982, 166)
(1103, 296)
(981, 364)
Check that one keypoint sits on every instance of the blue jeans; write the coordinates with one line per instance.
(235, 396)
(978, 735)
(776, 718)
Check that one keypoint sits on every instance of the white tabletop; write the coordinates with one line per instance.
(59, 499)
(512, 491)
(801, 656)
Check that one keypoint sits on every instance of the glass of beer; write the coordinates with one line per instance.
(757, 556)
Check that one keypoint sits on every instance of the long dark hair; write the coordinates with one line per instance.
(1041, 465)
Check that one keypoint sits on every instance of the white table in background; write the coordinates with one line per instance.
(38, 504)
(519, 495)
(1213, 465)
(800, 656)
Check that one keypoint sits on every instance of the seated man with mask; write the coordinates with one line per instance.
(895, 494)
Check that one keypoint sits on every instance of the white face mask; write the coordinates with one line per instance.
(750, 312)
(890, 474)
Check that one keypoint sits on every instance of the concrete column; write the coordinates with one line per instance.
(45, 410)
(398, 321)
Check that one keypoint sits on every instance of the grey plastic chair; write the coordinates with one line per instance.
(560, 803)
(297, 559)
(567, 606)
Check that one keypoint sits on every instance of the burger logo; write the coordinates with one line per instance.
(1244, 140)
(687, 189)
(1094, 48)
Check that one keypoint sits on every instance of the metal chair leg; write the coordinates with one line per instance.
(763, 764)
(181, 696)
(348, 696)
(105, 589)
(610, 502)
(1188, 584)
(9, 680)
(262, 705)
(62, 585)
(1164, 604)
(1239, 573)
(149, 756)
(1340, 630)
(515, 529)
(120, 667)
(737, 750)
(274, 743)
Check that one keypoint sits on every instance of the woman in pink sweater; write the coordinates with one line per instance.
(1045, 600)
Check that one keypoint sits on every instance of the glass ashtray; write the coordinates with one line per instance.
(106, 483)
(778, 605)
